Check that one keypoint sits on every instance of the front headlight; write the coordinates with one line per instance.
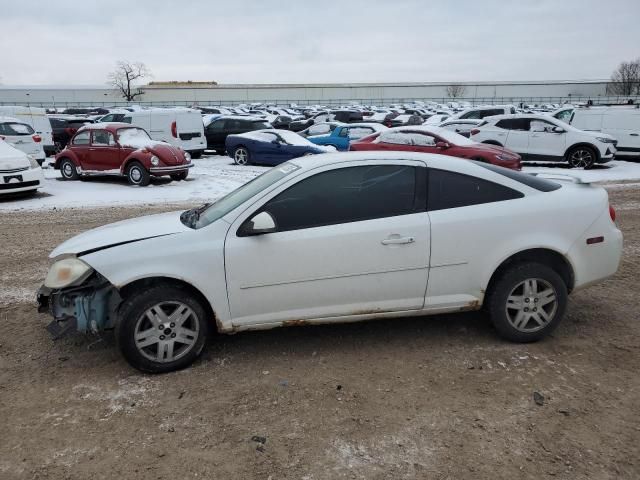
(187, 157)
(605, 140)
(34, 163)
(66, 272)
(155, 161)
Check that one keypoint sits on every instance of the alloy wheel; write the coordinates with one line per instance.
(166, 332)
(531, 305)
(241, 156)
(581, 158)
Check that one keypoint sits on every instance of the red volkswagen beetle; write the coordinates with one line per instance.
(121, 149)
(429, 139)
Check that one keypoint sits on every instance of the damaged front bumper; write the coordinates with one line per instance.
(89, 307)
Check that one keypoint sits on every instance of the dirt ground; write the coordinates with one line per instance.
(437, 397)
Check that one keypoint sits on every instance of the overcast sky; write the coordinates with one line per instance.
(239, 41)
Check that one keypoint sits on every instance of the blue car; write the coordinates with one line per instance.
(341, 135)
(270, 147)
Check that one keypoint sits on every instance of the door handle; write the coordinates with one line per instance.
(634, 134)
(397, 240)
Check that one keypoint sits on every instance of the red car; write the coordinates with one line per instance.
(121, 149)
(428, 139)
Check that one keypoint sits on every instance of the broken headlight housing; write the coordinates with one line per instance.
(66, 272)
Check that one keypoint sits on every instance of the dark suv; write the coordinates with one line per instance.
(216, 132)
(65, 127)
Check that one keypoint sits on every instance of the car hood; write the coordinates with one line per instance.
(169, 154)
(119, 233)
(11, 158)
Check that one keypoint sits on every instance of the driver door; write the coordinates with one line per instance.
(544, 142)
(103, 152)
(351, 240)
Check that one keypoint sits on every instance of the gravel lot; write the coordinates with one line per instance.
(438, 397)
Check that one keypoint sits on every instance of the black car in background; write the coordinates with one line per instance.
(282, 122)
(63, 127)
(217, 131)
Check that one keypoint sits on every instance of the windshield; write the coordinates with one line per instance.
(133, 137)
(203, 216)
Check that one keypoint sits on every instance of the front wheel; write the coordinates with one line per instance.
(583, 157)
(241, 156)
(162, 329)
(68, 170)
(196, 154)
(138, 175)
(527, 302)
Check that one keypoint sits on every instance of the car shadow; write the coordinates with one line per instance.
(10, 197)
(118, 180)
(562, 166)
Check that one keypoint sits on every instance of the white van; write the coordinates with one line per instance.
(475, 113)
(37, 118)
(181, 127)
(622, 123)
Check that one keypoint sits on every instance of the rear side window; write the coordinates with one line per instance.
(521, 124)
(10, 129)
(347, 195)
(454, 190)
(529, 180)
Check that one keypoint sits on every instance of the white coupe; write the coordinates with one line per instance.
(338, 238)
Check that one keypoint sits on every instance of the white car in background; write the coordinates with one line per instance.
(22, 136)
(18, 171)
(37, 118)
(484, 111)
(335, 238)
(461, 127)
(545, 138)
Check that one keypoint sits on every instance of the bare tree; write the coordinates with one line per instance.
(455, 91)
(124, 77)
(625, 80)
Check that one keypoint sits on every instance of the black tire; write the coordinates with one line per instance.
(179, 176)
(509, 285)
(241, 155)
(68, 169)
(137, 174)
(582, 156)
(132, 319)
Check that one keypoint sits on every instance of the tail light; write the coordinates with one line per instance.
(474, 131)
(174, 130)
(612, 213)
(36, 138)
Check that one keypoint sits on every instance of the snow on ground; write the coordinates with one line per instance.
(215, 176)
(211, 178)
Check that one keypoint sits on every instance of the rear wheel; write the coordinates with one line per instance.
(68, 170)
(179, 176)
(527, 302)
(138, 175)
(582, 157)
(161, 329)
(241, 156)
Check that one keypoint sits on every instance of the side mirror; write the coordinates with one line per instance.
(558, 130)
(442, 145)
(260, 224)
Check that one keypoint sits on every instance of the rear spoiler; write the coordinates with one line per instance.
(563, 177)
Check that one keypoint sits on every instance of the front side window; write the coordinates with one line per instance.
(216, 126)
(541, 126)
(347, 195)
(394, 138)
(356, 133)
(454, 190)
(82, 138)
(521, 124)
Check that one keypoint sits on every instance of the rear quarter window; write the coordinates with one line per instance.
(532, 181)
